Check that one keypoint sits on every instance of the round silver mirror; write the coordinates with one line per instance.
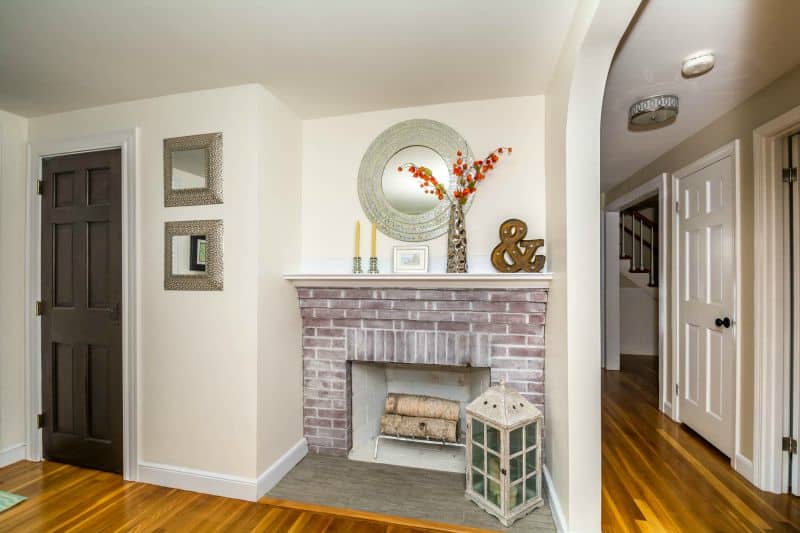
(393, 200)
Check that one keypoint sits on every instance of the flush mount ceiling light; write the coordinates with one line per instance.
(697, 64)
(653, 110)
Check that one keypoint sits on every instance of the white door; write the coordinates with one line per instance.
(706, 270)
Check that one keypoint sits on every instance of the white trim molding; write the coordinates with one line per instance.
(555, 504)
(12, 454)
(769, 297)
(126, 141)
(272, 475)
(731, 149)
(242, 488)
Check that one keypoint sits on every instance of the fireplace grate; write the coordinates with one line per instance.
(414, 439)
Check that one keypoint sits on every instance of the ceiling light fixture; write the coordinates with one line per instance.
(653, 110)
(697, 64)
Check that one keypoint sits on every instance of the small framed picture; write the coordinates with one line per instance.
(410, 259)
(197, 257)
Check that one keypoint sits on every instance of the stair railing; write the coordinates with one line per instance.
(638, 242)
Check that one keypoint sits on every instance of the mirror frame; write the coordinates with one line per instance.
(214, 276)
(440, 138)
(212, 192)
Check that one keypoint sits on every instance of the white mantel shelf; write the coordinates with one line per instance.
(538, 280)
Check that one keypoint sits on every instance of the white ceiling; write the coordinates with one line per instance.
(320, 57)
(755, 41)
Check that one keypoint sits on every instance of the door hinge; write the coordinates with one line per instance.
(40, 420)
(677, 389)
(789, 444)
(39, 308)
(790, 175)
(40, 187)
(677, 207)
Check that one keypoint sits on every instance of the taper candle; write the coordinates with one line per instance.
(357, 252)
(374, 241)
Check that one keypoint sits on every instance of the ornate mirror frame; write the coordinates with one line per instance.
(214, 276)
(440, 138)
(212, 192)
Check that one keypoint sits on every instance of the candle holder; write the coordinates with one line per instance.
(373, 265)
(357, 265)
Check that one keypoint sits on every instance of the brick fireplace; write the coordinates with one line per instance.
(499, 329)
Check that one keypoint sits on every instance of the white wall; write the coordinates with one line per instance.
(13, 139)
(332, 152)
(280, 361)
(199, 351)
(638, 322)
(572, 387)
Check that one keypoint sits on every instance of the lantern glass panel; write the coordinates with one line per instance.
(477, 431)
(530, 461)
(515, 441)
(493, 492)
(478, 483)
(492, 438)
(515, 467)
(531, 492)
(516, 495)
(530, 435)
(493, 465)
(477, 457)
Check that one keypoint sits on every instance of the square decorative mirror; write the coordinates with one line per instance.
(193, 255)
(193, 170)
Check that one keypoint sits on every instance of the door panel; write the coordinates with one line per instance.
(81, 327)
(707, 276)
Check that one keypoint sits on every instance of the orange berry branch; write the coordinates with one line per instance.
(468, 176)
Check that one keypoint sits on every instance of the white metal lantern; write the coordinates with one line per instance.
(504, 454)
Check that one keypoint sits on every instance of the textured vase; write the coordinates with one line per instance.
(456, 240)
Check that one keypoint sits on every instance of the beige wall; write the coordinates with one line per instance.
(202, 354)
(13, 139)
(772, 101)
(332, 152)
(280, 361)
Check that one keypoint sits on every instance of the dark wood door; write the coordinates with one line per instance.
(81, 323)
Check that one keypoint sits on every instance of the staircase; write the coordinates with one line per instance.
(638, 250)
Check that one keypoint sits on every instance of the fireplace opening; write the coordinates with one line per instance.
(372, 383)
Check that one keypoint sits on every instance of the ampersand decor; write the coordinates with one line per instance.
(513, 246)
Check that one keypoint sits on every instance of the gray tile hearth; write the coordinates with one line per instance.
(394, 490)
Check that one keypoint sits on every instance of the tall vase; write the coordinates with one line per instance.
(456, 240)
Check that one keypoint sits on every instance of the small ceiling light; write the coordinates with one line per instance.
(697, 64)
(653, 110)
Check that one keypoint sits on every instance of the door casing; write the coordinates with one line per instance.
(738, 461)
(126, 141)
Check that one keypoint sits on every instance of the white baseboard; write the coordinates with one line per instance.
(667, 408)
(744, 466)
(178, 477)
(242, 488)
(12, 454)
(272, 475)
(555, 504)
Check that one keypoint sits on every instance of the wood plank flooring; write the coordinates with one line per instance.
(661, 476)
(66, 498)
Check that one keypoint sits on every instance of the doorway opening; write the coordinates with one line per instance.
(88, 199)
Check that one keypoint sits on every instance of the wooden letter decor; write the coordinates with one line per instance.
(513, 246)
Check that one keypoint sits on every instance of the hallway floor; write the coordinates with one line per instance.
(659, 475)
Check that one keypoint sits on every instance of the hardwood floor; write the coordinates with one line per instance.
(66, 498)
(658, 475)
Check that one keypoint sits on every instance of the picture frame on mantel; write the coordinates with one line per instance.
(410, 260)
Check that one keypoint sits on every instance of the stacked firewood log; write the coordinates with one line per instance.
(421, 417)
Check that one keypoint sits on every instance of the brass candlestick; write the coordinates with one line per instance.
(357, 265)
(373, 265)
